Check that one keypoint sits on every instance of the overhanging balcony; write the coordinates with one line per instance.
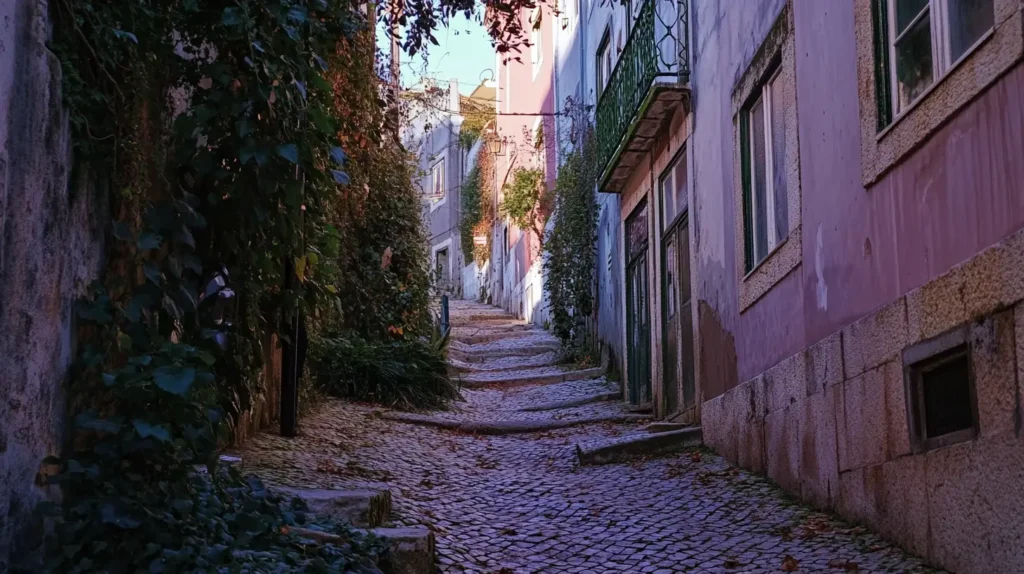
(650, 80)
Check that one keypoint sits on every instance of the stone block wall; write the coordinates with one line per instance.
(830, 423)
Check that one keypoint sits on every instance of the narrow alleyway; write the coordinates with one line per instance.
(520, 503)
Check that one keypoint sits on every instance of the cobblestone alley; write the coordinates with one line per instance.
(521, 503)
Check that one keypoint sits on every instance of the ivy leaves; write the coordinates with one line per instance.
(527, 201)
(570, 246)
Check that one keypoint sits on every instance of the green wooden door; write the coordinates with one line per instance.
(638, 326)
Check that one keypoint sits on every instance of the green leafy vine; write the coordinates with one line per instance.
(571, 250)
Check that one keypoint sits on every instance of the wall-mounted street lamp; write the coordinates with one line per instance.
(496, 145)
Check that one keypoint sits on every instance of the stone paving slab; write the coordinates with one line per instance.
(521, 504)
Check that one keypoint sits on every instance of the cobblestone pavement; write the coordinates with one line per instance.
(521, 504)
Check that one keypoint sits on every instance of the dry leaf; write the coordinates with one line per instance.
(789, 564)
(206, 83)
(273, 97)
(844, 565)
(385, 260)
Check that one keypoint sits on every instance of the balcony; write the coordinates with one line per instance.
(650, 80)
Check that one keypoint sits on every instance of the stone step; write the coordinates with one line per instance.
(546, 359)
(541, 376)
(661, 426)
(469, 354)
(487, 336)
(507, 427)
(410, 550)
(644, 445)
(609, 396)
(464, 318)
(362, 508)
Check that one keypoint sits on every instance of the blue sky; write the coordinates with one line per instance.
(464, 52)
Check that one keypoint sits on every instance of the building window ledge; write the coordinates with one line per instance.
(988, 59)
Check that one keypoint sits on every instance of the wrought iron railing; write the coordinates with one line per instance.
(657, 52)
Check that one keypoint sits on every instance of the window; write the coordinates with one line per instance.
(441, 267)
(604, 61)
(673, 191)
(437, 190)
(923, 39)
(763, 137)
(939, 382)
(536, 55)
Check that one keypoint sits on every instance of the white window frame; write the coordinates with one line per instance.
(437, 170)
(536, 42)
(769, 173)
(942, 50)
(603, 56)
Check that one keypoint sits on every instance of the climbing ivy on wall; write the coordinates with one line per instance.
(526, 200)
(240, 140)
(571, 249)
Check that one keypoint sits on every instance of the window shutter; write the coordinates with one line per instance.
(883, 87)
(748, 232)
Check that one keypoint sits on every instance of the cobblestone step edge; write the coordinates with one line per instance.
(601, 397)
(490, 337)
(411, 550)
(482, 366)
(470, 355)
(496, 428)
(627, 448)
(362, 508)
(516, 381)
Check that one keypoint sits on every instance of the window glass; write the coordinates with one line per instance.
(636, 231)
(438, 180)
(670, 284)
(673, 191)
(760, 180)
(968, 20)
(914, 62)
(906, 11)
(778, 153)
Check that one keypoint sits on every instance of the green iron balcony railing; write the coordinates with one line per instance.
(650, 78)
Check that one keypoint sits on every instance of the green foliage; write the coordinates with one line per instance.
(471, 214)
(247, 183)
(407, 372)
(571, 250)
(527, 201)
(478, 114)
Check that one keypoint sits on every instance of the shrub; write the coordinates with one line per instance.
(406, 373)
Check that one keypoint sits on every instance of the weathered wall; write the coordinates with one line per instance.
(829, 424)
(50, 248)
(934, 244)
(516, 281)
(725, 37)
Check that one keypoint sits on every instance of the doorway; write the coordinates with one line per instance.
(677, 310)
(638, 327)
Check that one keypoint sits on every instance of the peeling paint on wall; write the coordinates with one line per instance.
(819, 270)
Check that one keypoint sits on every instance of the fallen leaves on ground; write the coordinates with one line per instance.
(814, 526)
(789, 564)
(844, 565)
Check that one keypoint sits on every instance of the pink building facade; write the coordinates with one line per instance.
(824, 224)
(525, 107)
